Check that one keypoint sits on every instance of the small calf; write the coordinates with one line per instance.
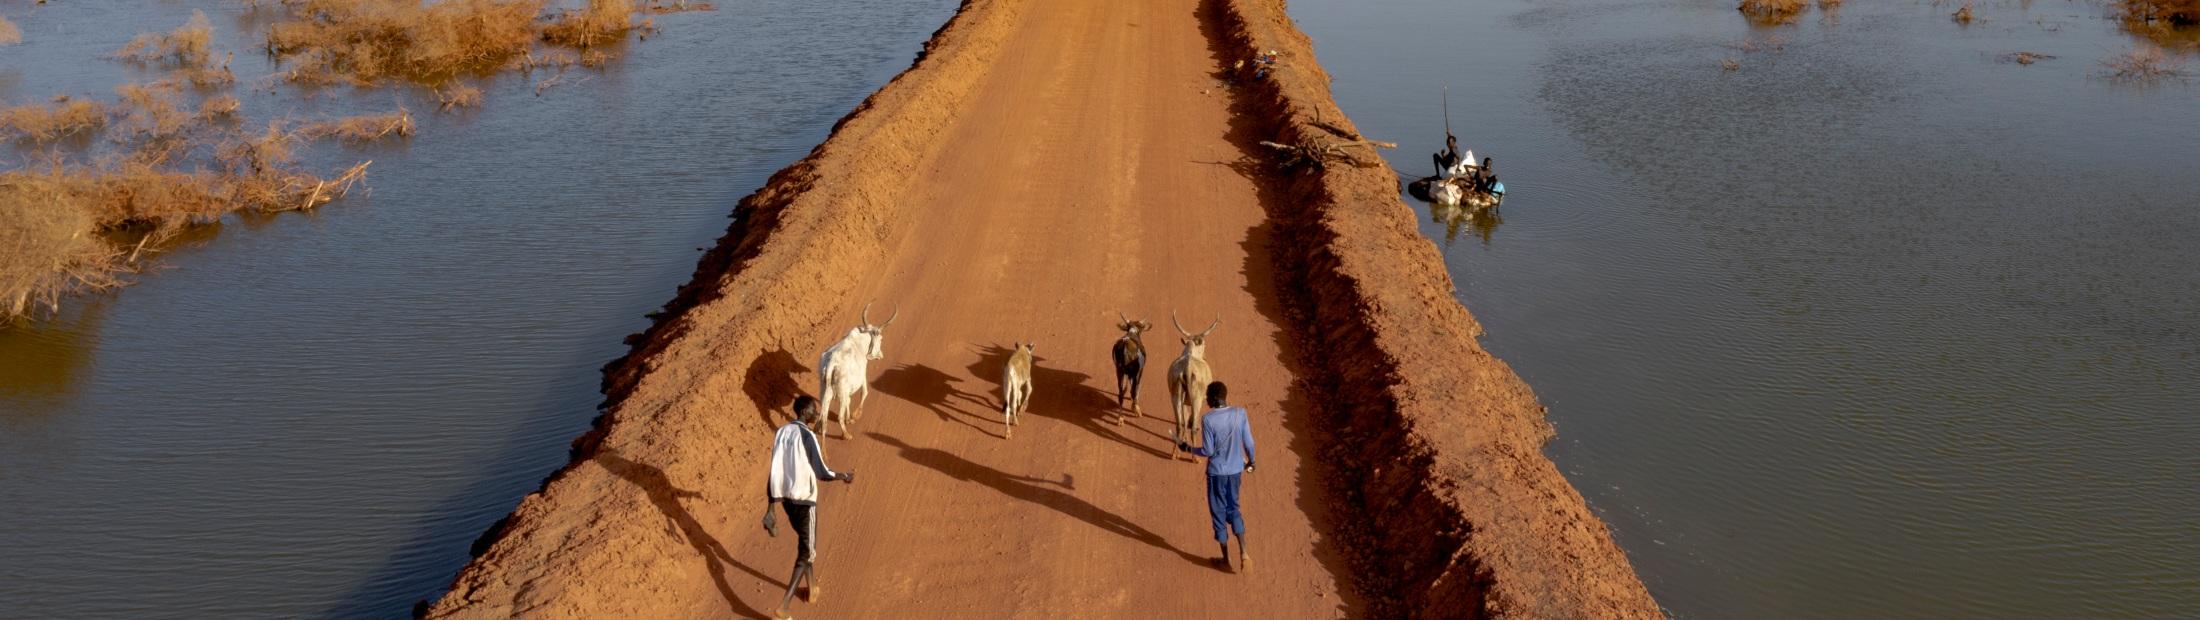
(1016, 387)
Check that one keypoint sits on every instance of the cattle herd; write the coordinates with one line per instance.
(844, 375)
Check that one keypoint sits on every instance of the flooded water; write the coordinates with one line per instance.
(313, 415)
(1872, 326)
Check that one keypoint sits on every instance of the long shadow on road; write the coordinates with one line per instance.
(666, 497)
(1063, 395)
(1033, 490)
(928, 387)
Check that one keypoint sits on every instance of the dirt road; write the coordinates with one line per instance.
(1044, 166)
(1082, 182)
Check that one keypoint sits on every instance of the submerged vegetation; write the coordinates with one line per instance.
(45, 123)
(2144, 65)
(1773, 12)
(2172, 24)
(364, 42)
(80, 219)
(84, 212)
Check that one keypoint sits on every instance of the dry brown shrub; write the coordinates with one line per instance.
(2023, 58)
(601, 22)
(367, 41)
(190, 45)
(2171, 12)
(220, 108)
(547, 59)
(51, 250)
(679, 6)
(1773, 11)
(151, 111)
(62, 224)
(75, 226)
(362, 128)
(65, 117)
(458, 96)
(2167, 23)
(2144, 65)
(1962, 14)
(205, 76)
(9, 34)
(595, 59)
(244, 155)
(551, 82)
(1769, 43)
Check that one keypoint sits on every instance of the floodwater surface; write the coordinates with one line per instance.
(1874, 325)
(313, 415)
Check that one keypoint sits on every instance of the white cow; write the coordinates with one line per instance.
(843, 372)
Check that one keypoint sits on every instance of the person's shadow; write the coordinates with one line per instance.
(1033, 490)
(666, 497)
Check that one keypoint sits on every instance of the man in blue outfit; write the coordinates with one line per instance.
(1228, 446)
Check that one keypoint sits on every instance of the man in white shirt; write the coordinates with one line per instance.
(798, 463)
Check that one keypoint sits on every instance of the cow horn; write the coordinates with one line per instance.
(1126, 324)
(1179, 325)
(866, 313)
(1211, 327)
(897, 314)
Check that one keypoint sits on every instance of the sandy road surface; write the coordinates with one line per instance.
(1081, 182)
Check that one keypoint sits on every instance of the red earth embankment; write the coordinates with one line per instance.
(1044, 165)
(1439, 441)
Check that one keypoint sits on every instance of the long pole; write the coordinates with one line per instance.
(1447, 111)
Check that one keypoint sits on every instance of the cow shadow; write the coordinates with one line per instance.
(1059, 394)
(666, 497)
(1033, 490)
(769, 383)
(933, 390)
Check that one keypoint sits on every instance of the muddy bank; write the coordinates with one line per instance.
(609, 535)
(1442, 442)
(618, 531)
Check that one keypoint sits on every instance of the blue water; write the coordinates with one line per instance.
(313, 415)
(1875, 325)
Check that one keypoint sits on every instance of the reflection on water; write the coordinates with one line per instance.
(313, 414)
(42, 362)
(1870, 326)
(1478, 221)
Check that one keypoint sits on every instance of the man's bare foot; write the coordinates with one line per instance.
(1244, 561)
(1221, 563)
(811, 593)
(782, 614)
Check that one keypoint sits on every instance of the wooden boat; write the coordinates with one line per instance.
(1455, 190)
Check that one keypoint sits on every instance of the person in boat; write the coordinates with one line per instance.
(1485, 177)
(1447, 158)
